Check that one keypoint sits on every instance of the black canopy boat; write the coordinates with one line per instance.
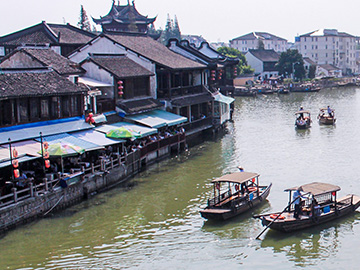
(319, 204)
(303, 119)
(234, 194)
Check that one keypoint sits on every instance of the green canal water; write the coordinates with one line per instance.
(154, 222)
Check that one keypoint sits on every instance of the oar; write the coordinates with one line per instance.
(257, 237)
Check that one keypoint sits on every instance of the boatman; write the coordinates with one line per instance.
(301, 114)
(297, 202)
(330, 111)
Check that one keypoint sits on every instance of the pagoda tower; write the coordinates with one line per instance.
(125, 18)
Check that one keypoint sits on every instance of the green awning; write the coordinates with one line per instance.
(142, 131)
(157, 119)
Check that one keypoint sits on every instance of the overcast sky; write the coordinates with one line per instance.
(215, 20)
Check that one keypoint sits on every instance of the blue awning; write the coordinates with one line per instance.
(32, 131)
(67, 138)
(143, 131)
(97, 137)
(157, 119)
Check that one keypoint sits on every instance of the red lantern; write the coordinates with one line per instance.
(46, 154)
(15, 163)
(16, 173)
(253, 180)
(235, 71)
(120, 88)
(15, 153)
(334, 193)
(213, 75)
(45, 145)
(47, 164)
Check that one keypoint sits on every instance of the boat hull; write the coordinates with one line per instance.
(289, 224)
(327, 120)
(221, 214)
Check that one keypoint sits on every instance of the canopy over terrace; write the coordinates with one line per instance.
(72, 140)
(223, 99)
(238, 177)
(96, 137)
(32, 131)
(157, 119)
(5, 156)
(142, 131)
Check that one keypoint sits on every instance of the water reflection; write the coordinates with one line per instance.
(309, 247)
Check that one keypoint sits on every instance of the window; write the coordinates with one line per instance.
(44, 108)
(24, 110)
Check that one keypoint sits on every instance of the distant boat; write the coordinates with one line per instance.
(304, 88)
(283, 90)
(303, 119)
(234, 194)
(325, 118)
(319, 205)
(244, 92)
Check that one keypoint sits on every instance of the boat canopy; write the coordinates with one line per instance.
(238, 177)
(302, 112)
(316, 188)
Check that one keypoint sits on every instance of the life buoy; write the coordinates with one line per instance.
(15, 163)
(15, 153)
(45, 145)
(252, 189)
(275, 216)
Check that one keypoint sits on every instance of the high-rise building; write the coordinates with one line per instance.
(328, 46)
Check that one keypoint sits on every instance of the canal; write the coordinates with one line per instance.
(154, 222)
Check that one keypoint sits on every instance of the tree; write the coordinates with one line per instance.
(291, 62)
(242, 67)
(172, 30)
(84, 23)
(312, 71)
(261, 45)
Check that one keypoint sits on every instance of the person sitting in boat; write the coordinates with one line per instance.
(297, 203)
(315, 207)
(244, 188)
(330, 111)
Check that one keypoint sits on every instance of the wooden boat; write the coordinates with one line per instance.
(304, 88)
(325, 118)
(283, 90)
(319, 205)
(234, 194)
(244, 92)
(303, 119)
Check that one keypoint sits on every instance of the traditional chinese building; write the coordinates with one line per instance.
(124, 19)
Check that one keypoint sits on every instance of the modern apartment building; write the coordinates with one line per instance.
(251, 41)
(328, 46)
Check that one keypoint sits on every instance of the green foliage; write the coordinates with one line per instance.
(242, 67)
(172, 30)
(291, 62)
(312, 71)
(261, 45)
(84, 22)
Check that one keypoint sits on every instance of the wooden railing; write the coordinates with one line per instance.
(103, 164)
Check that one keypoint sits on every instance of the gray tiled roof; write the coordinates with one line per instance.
(259, 35)
(26, 84)
(155, 51)
(44, 33)
(49, 58)
(120, 65)
(266, 55)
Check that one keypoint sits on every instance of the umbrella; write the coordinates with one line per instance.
(61, 149)
(121, 132)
